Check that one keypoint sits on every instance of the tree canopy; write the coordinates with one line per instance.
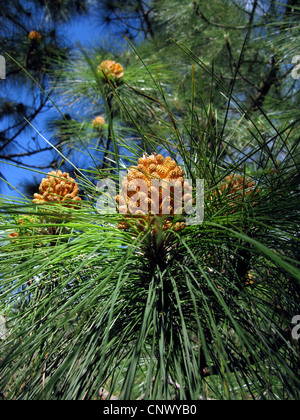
(194, 98)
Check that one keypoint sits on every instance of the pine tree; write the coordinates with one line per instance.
(135, 305)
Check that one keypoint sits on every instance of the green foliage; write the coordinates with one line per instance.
(205, 313)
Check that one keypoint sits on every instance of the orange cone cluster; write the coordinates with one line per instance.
(111, 69)
(58, 187)
(237, 186)
(34, 36)
(25, 229)
(98, 122)
(162, 178)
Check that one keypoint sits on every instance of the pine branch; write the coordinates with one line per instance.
(146, 18)
(270, 80)
(200, 14)
(30, 118)
(29, 153)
